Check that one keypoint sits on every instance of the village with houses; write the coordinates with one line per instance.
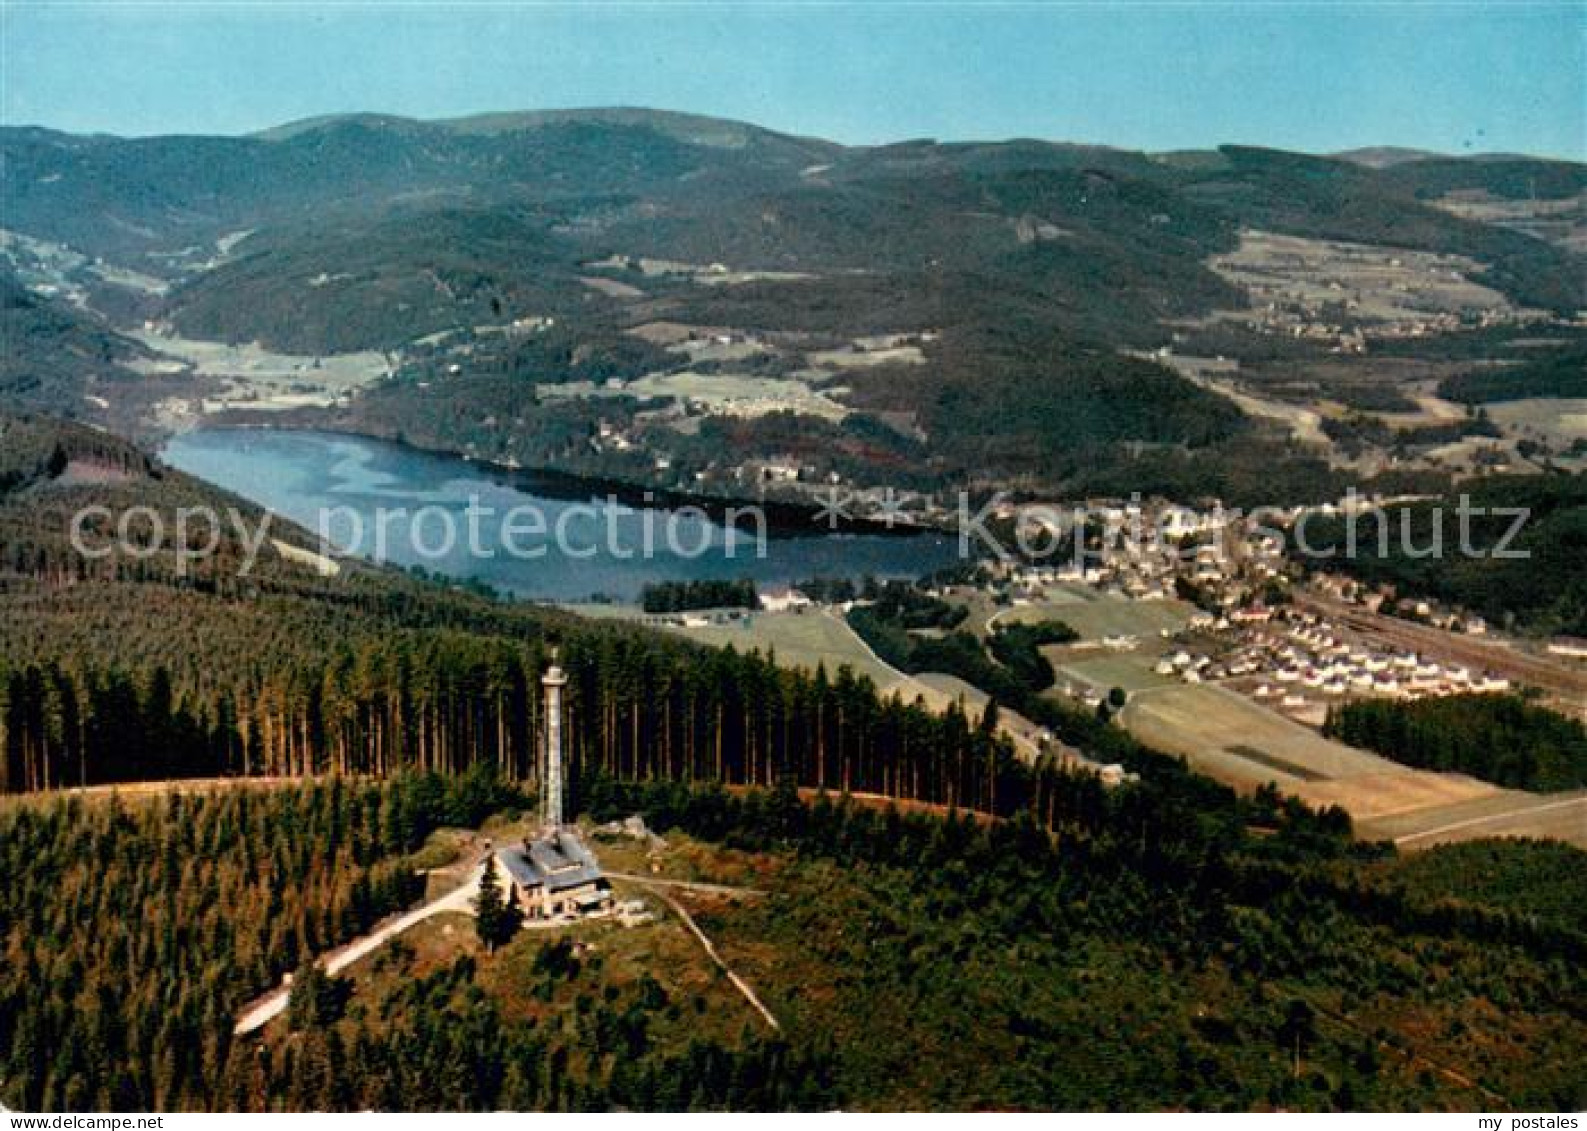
(1191, 628)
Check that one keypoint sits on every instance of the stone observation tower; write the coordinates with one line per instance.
(551, 777)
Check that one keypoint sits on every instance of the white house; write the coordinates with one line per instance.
(781, 598)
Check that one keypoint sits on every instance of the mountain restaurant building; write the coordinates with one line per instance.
(556, 876)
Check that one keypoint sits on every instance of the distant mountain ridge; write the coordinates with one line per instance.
(694, 129)
(1030, 264)
(130, 198)
(1384, 156)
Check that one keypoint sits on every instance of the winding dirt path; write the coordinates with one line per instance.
(709, 947)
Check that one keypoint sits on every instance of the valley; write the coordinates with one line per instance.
(858, 592)
(249, 377)
(737, 341)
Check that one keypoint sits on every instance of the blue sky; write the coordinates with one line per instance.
(1317, 77)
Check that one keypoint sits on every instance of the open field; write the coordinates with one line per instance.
(1561, 421)
(800, 639)
(705, 274)
(611, 288)
(1221, 376)
(252, 362)
(1209, 724)
(319, 563)
(944, 689)
(1106, 670)
(1377, 284)
(1302, 398)
(1561, 222)
(730, 394)
(1430, 409)
(1246, 745)
(849, 357)
(255, 378)
(699, 351)
(1562, 816)
(819, 637)
(1096, 615)
(1304, 424)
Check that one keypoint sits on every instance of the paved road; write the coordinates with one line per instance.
(267, 1008)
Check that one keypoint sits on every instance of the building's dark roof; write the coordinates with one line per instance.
(557, 863)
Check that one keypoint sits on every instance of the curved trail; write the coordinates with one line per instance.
(271, 1006)
(664, 889)
(709, 947)
(266, 1009)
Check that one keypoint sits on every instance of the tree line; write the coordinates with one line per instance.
(678, 596)
(1500, 738)
(445, 699)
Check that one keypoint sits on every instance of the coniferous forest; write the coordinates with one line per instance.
(1105, 930)
(139, 666)
(135, 931)
(1499, 738)
(1137, 960)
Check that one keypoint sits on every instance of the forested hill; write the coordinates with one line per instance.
(142, 665)
(55, 356)
(52, 469)
(1537, 583)
(698, 189)
(1025, 285)
(1137, 960)
(128, 668)
(1163, 943)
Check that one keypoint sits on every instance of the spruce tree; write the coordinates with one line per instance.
(495, 917)
(316, 999)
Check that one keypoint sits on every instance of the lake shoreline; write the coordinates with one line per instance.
(784, 518)
(405, 506)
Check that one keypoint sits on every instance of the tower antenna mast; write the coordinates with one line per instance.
(553, 681)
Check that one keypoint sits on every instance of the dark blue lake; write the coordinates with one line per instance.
(541, 539)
